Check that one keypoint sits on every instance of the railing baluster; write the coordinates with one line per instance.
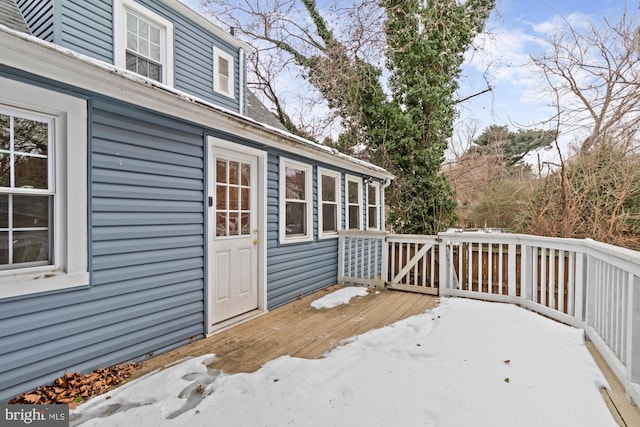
(433, 266)
(500, 268)
(470, 268)
(490, 271)
(552, 275)
(560, 284)
(543, 277)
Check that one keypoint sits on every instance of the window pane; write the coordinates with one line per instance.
(143, 47)
(233, 198)
(353, 191)
(223, 67)
(244, 224)
(296, 219)
(328, 188)
(233, 172)
(354, 217)
(30, 172)
(30, 211)
(221, 197)
(329, 217)
(154, 35)
(221, 224)
(30, 246)
(221, 171)
(372, 195)
(154, 52)
(372, 217)
(132, 62)
(4, 132)
(4, 247)
(5, 170)
(155, 72)
(295, 184)
(245, 175)
(132, 41)
(143, 67)
(30, 136)
(233, 224)
(223, 83)
(143, 29)
(132, 23)
(244, 203)
(4, 211)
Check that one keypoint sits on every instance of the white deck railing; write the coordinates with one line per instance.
(583, 283)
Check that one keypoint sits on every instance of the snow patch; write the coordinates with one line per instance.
(339, 297)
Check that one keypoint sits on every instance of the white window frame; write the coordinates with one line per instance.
(219, 53)
(120, 36)
(376, 186)
(338, 178)
(308, 169)
(70, 241)
(357, 180)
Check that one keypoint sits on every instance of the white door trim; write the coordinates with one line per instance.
(212, 144)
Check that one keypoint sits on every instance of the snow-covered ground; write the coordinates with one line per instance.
(465, 363)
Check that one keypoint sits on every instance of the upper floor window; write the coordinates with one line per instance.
(223, 72)
(354, 203)
(143, 41)
(329, 218)
(296, 201)
(43, 190)
(373, 206)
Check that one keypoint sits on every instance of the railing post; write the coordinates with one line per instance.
(443, 267)
(385, 248)
(341, 244)
(581, 294)
(633, 325)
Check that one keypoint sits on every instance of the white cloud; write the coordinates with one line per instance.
(559, 23)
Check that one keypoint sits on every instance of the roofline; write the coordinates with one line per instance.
(198, 18)
(27, 53)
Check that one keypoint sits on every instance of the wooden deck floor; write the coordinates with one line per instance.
(298, 330)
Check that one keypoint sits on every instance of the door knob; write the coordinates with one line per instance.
(255, 242)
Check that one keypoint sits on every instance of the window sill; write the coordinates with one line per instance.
(290, 240)
(328, 236)
(40, 282)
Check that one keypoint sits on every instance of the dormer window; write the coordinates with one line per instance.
(143, 41)
(223, 71)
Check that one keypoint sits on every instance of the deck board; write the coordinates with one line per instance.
(297, 330)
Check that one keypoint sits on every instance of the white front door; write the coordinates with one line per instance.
(234, 178)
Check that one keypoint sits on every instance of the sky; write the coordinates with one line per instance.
(518, 29)
(464, 363)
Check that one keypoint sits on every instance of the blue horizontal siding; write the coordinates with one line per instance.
(146, 214)
(87, 27)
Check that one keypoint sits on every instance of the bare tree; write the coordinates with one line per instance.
(593, 74)
(292, 42)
